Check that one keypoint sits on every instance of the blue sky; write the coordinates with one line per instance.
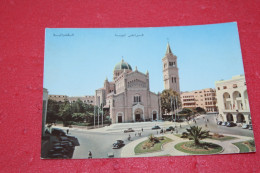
(77, 61)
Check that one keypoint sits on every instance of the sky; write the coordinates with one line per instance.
(77, 61)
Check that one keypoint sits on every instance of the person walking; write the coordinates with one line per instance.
(129, 137)
(142, 129)
(67, 131)
(89, 155)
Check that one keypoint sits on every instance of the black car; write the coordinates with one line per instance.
(118, 144)
(219, 122)
(170, 128)
(57, 132)
(231, 124)
(156, 127)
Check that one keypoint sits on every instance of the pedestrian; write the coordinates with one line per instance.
(67, 131)
(135, 134)
(176, 131)
(206, 125)
(157, 132)
(129, 137)
(180, 125)
(89, 155)
(207, 120)
(142, 129)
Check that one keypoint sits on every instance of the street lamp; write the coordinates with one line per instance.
(94, 115)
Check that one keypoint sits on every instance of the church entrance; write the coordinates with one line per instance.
(119, 120)
(154, 115)
(138, 115)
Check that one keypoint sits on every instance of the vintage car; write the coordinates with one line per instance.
(118, 144)
(129, 130)
(156, 127)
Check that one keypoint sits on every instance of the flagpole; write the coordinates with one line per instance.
(94, 114)
(98, 117)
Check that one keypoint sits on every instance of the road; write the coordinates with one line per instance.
(99, 141)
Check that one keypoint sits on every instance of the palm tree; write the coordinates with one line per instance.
(196, 133)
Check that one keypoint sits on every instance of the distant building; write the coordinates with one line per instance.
(85, 99)
(58, 98)
(62, 98)
(233, 101)
(204, 98)
(44, 109)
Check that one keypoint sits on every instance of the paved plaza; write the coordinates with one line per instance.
(99, 141)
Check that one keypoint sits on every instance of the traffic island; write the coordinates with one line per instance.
(152, 144)
(246, 146)
(203, 148)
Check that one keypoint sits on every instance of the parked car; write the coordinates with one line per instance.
(170, 128)
(129, 130)
(250, 127)
(118, 144)
(245, 126)
(224, 124)
(58, 132)
(110, 155)
(156, 127)
(230, 124)
(219, 122)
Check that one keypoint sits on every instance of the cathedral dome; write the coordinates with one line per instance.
(122, 65)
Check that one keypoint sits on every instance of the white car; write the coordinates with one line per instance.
(245, 126)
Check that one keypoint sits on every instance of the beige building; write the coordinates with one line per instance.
(233, 100)
(128, 97)
(63, 98)
(205, 98)
(170, 71)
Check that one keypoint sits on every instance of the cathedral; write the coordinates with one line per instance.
(128, 97)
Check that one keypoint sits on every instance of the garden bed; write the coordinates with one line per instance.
(139, 149)
(203, 148)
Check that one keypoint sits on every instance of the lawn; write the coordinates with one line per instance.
(224, 138)
(245, 146)
(204, 148)
(157, 147)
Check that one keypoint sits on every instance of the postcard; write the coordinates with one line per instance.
(144, 92)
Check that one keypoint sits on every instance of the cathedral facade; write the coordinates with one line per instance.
(128, 97)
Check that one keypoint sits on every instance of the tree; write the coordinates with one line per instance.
(79, 117)
(65, 113)
(167, 103)
(196, 134)
(52, 111)
(200, 110)
(78, 107)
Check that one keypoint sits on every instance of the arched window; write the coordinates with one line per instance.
(137, 99)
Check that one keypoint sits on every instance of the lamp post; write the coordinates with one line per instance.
(102, 115)
(98, 117)
(94, 114)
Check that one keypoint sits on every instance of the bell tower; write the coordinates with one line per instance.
(170, 71)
